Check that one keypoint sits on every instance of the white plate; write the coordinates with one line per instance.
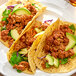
(52, 12)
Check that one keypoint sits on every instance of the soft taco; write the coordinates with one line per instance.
(15, 16)
(56, 52)
(19, 55)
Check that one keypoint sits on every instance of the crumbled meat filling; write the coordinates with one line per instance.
(17, 22)
(5, 37)
(43, 65)
(57, 42)
(27, 39)
(22, 66)
(44, 26)
(31, 9)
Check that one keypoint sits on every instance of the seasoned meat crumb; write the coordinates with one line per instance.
(22, 66)
(43, 65)
(17, 22)
(28, 38)
(57, 42)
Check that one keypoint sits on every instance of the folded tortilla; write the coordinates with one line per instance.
(31, 51)
(11, 2)
(40, 52)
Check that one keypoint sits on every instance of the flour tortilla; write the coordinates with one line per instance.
(30, 51)
(11, 2)
(40, 52)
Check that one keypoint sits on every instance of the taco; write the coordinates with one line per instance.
(15, 16)
(19, 55)
(56, 52)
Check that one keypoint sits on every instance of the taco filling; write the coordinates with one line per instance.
(59, 46)
(19, 58)
(14, 20)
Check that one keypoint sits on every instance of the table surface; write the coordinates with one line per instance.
(59, 3)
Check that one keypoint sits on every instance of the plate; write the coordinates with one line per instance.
(52, 12)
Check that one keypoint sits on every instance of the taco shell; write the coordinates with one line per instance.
(11, 2)
(40, 52)
(31, 51)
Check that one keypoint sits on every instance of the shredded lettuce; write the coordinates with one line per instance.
(5, 14)
(33, 4)
(73, 56)
(37, 8)
(3, 28)
(4, 19)
(63, 61)
(19, 71)
(72, 27)
(9, 34)
(15, 59)
(47, 65)
(25, 58)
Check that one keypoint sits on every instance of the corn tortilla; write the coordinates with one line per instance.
(40, 52)
(11, 2)
(30, 51)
